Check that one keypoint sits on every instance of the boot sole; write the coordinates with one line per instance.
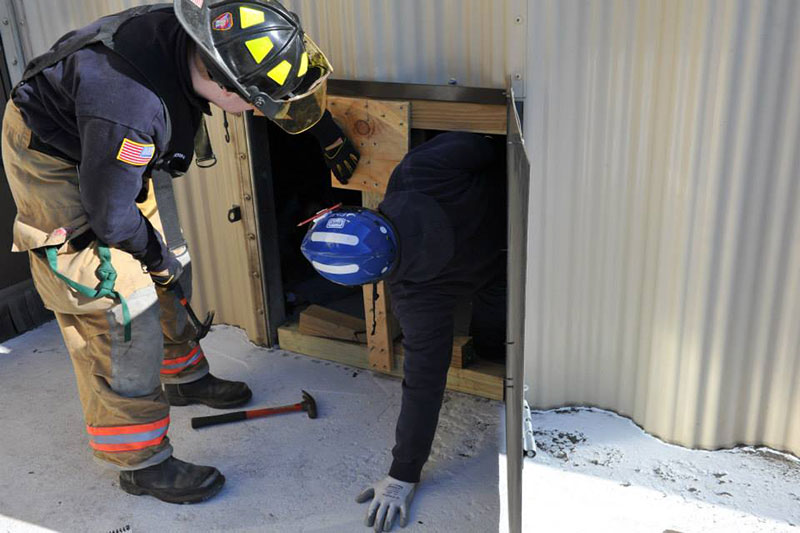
(200, 495)
(181, 401)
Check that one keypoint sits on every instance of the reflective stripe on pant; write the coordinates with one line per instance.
(128, 438)
(119, 383)
(184, 360)
(124, 406)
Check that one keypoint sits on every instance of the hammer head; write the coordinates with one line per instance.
(205, 326)
(309, 405)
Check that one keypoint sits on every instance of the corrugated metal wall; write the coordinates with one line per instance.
(418, 41)
(664, 261)
(409, 41)
(45, 21)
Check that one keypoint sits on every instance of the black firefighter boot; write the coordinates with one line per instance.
(173, 481)
(210, 391)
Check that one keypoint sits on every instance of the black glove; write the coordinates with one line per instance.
(343, 158)
(168, 277)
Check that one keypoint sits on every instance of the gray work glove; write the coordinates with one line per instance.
(389, 497)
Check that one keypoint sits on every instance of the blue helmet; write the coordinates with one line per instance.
(351, 246)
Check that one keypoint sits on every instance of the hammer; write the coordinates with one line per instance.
(308, 405)
(201, 327)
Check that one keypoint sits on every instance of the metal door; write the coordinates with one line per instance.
(518, 176)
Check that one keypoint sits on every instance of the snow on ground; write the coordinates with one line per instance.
(284, 474)
(595, 471)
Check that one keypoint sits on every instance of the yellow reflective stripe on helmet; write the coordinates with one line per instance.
(250, 17)
(281, 72)
(303, 65)
(259, 48)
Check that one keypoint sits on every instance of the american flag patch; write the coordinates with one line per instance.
(135, 154)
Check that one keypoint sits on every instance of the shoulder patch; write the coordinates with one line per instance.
(135, 154)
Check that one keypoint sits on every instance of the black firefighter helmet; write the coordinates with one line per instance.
(258, 49)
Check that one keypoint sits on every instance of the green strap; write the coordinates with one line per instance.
(107, 275)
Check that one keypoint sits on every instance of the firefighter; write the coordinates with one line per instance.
(438, 239)
(110, 107)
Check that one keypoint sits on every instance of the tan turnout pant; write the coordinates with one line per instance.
(119, 383)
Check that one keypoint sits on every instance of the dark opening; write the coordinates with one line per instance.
(300, 186)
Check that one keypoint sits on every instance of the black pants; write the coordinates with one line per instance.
(488, 325)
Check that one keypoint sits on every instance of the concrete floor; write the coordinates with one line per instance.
(599, 472)
(595, 471)
(284, 473)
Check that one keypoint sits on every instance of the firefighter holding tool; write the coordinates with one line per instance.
(92, 137)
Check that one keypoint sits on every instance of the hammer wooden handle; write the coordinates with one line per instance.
(203, 421)
(308, 404)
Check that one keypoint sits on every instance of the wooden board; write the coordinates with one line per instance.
(481, 379)
(379, 130)
(457, 116)
(380, 338)
(323, 322)
(319, 321)
(463, 352)
(347, 353)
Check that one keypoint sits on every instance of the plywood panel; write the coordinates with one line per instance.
(378, 312)
(379, 130)
(322, 322)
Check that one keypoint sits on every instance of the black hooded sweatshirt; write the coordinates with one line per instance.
(446, 200)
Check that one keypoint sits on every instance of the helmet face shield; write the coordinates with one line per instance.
(299, 112)
(299, 115)
(263, 54)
